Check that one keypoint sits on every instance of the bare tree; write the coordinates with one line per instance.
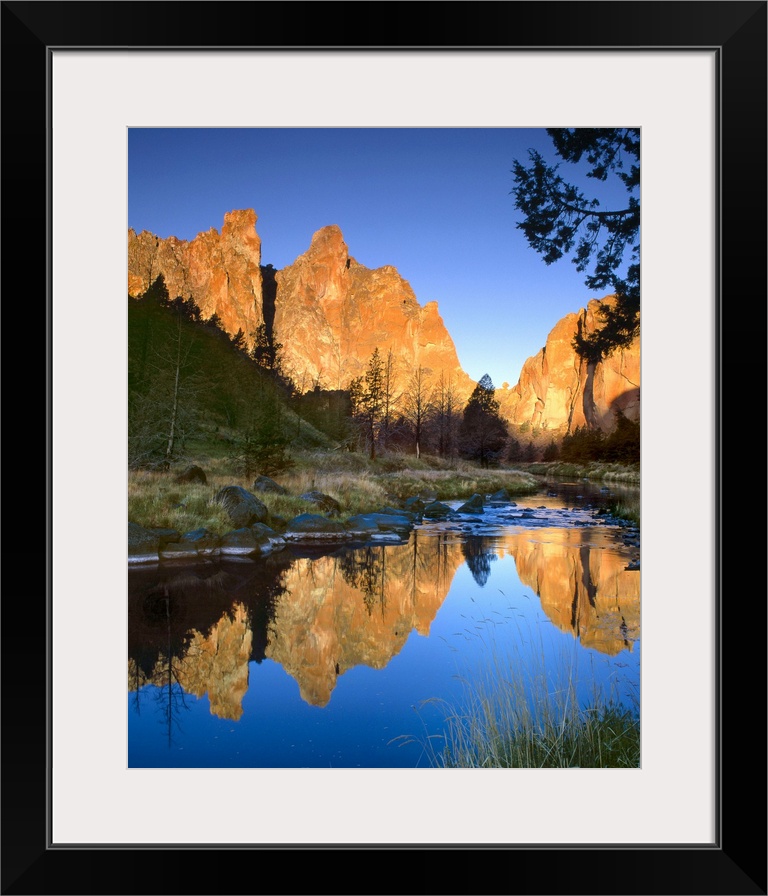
(417, 404)
(446, 416)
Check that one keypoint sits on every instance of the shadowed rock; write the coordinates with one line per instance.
(239, 543)
(265, 484)
(437, 510)
(364, 523)
(143, 545)
(244, 509)
(192, 474)
(198, 543)
(474, 505)
(166, 535)
(312, 525)
(324, 502)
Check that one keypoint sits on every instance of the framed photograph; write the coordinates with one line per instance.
(692, 77)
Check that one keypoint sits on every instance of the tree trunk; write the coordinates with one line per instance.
(175, 402)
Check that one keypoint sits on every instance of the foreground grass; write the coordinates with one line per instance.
(360, 485)
(521, 715)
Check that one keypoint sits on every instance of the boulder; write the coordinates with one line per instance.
(244, 509)
(196, 544)
(265, 484)
(437, 510)
(239, 543)
(324, 502)
(365, 523)
(502, 496)
(192, 474)
(414, 504)
(143, 544)
(262, 531)
(315, 526)
(166, 535)
(474, 505)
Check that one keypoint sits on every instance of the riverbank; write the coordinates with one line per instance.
(206, 507)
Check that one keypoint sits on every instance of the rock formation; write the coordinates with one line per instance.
(331, 313)
(220, 271)
(558, 391)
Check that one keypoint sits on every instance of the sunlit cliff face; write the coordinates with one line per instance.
(331, 313)
(221, 272)
(556, 389)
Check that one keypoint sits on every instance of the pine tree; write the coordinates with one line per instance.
(483, 433)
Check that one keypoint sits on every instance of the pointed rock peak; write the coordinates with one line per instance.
(329, 240)
(239, 219)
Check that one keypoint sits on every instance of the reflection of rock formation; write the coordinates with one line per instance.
(357, 609)
(583, 588)
(217, 663)
(199, 628)
(320, 616)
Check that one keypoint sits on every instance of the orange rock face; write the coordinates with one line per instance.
(555, 390)
(220, 271)
(331, 313)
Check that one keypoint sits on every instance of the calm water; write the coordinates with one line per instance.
(317, 659)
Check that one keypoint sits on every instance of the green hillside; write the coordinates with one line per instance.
(193, 390)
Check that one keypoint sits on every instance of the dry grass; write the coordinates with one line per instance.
(157, 500)
(594, 471)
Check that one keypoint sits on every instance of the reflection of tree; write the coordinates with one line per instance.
(479, 554)
(170, 694)
(365, 570)
(170, 611)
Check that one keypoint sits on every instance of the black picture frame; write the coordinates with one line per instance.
(736, 863)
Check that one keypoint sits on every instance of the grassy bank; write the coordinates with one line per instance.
(520, 713)
(594, 471)
(157, 500)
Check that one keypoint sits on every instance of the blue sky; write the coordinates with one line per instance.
(434, 202)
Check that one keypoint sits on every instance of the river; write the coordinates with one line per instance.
(353, 657)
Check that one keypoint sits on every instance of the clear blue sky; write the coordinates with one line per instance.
(433, 202)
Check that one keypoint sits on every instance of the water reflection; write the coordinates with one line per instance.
(357, 607)
(195, 631)
(479, 553)
(584, 587)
